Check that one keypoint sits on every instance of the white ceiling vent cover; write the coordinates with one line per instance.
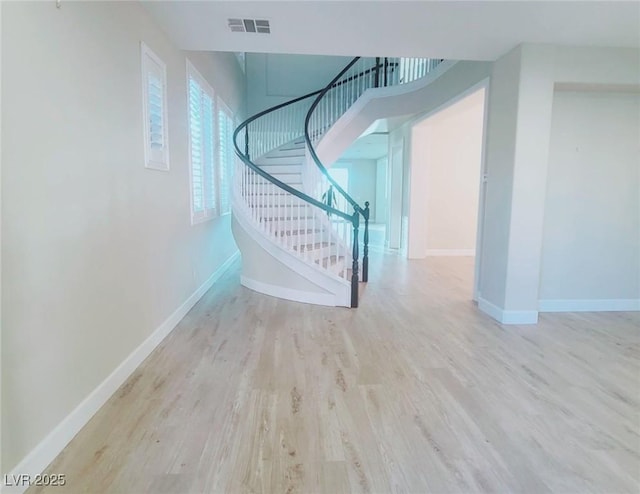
(249, 26)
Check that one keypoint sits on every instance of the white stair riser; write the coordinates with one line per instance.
(271, 199)
(316, 253)
(287, 178)
(286, 225)
(309, 238)
(337, 268)
(298, 152)
(297, 209)
(294, 213)
(280, 160)
(275, 169)
(299, 238)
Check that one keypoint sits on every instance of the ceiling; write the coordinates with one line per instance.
(368, 147)
(452, 29)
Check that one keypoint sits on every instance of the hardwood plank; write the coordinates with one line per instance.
(415, 391)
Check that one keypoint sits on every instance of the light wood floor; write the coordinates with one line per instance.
(416, 391)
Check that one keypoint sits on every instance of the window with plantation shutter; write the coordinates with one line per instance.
(154, 102)
(226, 155)
(202, 147)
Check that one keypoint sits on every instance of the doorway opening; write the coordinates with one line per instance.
(446, 185)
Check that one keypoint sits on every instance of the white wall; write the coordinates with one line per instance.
(98, 251)
(517, 157)
(275, 78)
(362, 181)
(500, 150)
(591, 242)
(445, 160)
(1, 352)
(381, 202)
(395, 192)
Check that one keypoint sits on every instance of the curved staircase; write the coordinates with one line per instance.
(296, 228)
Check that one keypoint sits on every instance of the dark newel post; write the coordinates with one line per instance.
(386, 69)
(377, 79)
(365, 256)
(354, 267)
(246, 141)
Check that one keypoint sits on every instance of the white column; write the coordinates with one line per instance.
(519, 121)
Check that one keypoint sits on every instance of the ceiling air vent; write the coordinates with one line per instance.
(249, 26)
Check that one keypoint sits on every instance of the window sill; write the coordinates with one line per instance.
(157, 165)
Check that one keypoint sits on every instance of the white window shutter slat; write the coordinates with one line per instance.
(154, 99)
(202, 131)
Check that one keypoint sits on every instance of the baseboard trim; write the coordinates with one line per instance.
(590, 305)
(46, 451)
(508, 316)
(289, 293)
(450, 252)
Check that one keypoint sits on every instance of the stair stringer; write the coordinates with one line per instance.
(422, 96)
(271, 269)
